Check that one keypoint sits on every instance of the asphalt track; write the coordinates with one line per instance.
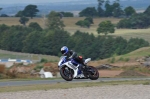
(33, 82)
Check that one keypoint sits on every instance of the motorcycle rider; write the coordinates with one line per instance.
(70, 54)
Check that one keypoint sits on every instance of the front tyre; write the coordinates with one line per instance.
(66, 73)
(93, 73)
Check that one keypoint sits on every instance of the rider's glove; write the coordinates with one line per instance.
(70, 57)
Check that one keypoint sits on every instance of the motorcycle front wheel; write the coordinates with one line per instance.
(66, 73)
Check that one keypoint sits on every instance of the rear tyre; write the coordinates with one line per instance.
(93, 73)
(66, 73)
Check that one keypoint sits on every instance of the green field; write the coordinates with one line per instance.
(139, 53)
(145, 51)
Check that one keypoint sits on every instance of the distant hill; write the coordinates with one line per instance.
(77, 5)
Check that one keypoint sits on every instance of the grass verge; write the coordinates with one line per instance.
(28, 79)
(69, 85)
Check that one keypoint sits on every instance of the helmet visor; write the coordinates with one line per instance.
(63, 51)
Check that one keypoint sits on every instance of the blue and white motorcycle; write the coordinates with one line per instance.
(69, 70)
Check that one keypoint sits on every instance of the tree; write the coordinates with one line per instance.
(31, 42)
(3, 28)
(15, 35)
(140, 21)
(4, 15)
(147, 11)
(99, 9)
(119, 45)
(90, 19)
(117, 11)
(35, 26)
(30, 11)
(51, 41)
(1, 9)
(54, 22)
(66, 14)
(23, 20)
(83, 23)
(80, 23)
(129, 11)
(19, 14)
(87, 23)
(124, 23)
(136, 21)
(109, 9)
(88, 12)
(100, 2)
(135, 43)
(106, 27)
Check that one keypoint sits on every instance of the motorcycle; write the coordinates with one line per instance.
(70, 69)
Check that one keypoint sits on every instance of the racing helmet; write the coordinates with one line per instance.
(64, 50)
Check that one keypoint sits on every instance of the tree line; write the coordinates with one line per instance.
(104, 9)
(34, 39)
(131, 19)
(47, 41)
(136, 21)
(107, 9)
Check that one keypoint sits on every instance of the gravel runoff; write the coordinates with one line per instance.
(104, 92)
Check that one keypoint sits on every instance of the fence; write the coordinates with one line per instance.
(15, 60)
(26, 56)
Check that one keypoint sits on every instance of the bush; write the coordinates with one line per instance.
(143, 70)
(35, 26)
(1, 76)
(90, 20)
(121, 59)
(146, 83)
(83, 23)
(66, 14)
(113, 60)
(108, 60)
(80, 23)
(43, 60)
(38, 68)
(127, 59)
(11, 74)
(2, 68)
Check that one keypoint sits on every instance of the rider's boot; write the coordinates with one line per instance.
(82, 67)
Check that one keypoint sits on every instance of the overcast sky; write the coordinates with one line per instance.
(31, 1)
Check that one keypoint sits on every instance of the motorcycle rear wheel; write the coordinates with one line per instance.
(93, 73)
(66, 73)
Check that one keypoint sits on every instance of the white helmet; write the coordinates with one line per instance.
(64, 50)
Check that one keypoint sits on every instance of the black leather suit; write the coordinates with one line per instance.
(73, 55)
